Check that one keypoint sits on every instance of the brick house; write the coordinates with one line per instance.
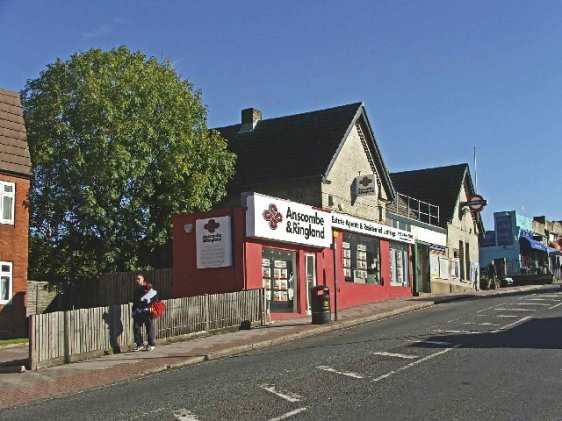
(318, 173)
(15, 173)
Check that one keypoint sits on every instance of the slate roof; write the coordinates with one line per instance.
(14, 153)
(290, 147)
(439, 186)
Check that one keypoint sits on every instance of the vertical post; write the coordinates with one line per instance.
(131, 340)
(66, 337)
(262, 306)
(334, 249)
(206, 311)
(32, 343)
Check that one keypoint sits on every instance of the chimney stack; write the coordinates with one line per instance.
(250, 118)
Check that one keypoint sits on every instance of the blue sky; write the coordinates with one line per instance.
(438, 78)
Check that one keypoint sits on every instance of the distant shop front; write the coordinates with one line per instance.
(287, 248)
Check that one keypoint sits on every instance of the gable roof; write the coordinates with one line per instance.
(296, 146)
(14, 153)
(439, 186)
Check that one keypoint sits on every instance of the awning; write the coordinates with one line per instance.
(527, 243)
(553, 251)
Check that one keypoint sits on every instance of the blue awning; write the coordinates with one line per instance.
(528, 243)
(553, 251)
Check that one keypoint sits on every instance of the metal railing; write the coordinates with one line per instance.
(415, 209)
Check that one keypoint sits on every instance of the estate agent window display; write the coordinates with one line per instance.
(399, 273)
(361, 259)
(280, 280)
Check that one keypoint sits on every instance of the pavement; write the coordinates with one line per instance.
(21, 387)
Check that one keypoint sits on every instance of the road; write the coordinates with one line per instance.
(496, 358)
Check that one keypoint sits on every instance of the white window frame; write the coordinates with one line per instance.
(9, 275)
(3, 196)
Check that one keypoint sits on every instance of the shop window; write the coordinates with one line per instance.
(279, 279)
(361, 259)
(7, 200)
(399, 267)
(5, 282)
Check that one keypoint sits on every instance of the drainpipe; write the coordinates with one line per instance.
(334, 249)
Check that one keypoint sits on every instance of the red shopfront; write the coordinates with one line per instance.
(286, 248)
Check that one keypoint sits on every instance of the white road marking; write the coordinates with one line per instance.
(288, 396)
(392, 354)
(488, 324)
(534, 299)
(533, 304)
(454, 331)
(288, 414)
(145, 414)
(486, 309)
(505, 316)
(390, 373)
(343, 373)
(433, 343)
(512, 324)
(514, 309)
(184, 415)
(554, 306)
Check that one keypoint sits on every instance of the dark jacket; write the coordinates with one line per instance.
(138, 304)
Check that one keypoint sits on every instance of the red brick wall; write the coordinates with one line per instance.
(14, 248)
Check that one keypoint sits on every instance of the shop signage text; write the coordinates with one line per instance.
(214, 243)
(350, 223)
(365, 185)
(281, 220)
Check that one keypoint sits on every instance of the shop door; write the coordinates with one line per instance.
(310, 271)
(422, 268)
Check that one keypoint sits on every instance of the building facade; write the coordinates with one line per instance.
(328, 162)
(15, 173)
(287, 248)
(453, 266)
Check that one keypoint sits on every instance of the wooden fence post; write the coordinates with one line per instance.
(206, 311)
(66, 336)
(32, 343)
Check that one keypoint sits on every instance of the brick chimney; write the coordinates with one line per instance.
(250, 118)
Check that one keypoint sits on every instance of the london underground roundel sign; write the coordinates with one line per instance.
(476, 203)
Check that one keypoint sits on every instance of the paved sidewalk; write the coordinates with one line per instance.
(30, 386)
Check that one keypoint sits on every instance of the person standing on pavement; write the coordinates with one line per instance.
(143, 295)
(492, 275)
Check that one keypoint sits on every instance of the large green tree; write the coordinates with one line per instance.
(119, 143)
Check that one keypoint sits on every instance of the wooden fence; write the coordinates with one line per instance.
(66, 336)
(110, 289)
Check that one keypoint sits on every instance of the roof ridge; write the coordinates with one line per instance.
(431, 168)
(303, 114)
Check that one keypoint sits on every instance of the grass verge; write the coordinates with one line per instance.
(4, 342)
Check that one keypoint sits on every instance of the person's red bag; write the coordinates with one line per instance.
(156, 309)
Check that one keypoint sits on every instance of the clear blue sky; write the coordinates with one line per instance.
(438, 78)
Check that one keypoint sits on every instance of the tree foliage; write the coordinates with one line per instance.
(118, 143)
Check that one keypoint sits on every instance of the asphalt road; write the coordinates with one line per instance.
(496, 358)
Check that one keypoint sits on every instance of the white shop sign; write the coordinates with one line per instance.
(277, 219)
(429, 236)
(366, 185)
(362, 226)
(214, 242)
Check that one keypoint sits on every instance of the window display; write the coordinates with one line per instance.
(279, 280)
(399, 267)
(361, 257)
